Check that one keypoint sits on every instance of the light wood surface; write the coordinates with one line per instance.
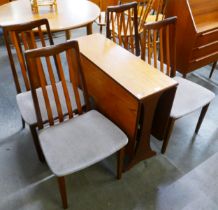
(205, 14)
(197, 32)
(131, 93)
(136, 76)
(3, 1)
(70, 14)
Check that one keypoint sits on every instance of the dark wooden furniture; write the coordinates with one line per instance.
(213, 68)
(130, 92)
(72, 141)
(122, 28)
(197, 32)
(159, 50)
(4, 2)
(24, 37)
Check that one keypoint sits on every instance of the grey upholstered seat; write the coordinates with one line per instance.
(26, 107)
(80, 142)
(189, 97)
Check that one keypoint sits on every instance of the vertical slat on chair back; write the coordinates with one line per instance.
(159, 45)
(159, 8)
(69, 51)
(144, 9)
(122, 27)
(23, 37)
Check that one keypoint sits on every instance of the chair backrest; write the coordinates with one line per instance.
(159, 45)
(68, 51)
(144, 9)
(159, 8)
(23, 37)
(122, 28)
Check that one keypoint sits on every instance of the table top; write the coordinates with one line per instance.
(136, 76)
(70, 14)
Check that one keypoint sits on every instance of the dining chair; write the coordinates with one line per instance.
(144, 9)
(101, 20)
(162, 55)
(23, 37)
(122, 28)
(73, 141)
(157, 12)
(213, 68)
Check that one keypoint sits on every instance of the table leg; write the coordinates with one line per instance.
(143, 149)
(89, 29)
(161, 117)
(154, 112)
(68, 34)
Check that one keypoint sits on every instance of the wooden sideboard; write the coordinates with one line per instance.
(130, 92)
(197, 32)
(4, 2)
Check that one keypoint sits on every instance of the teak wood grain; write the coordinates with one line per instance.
(127, 90)
(122, 26)
(4, 2)
(197, 27)
(69, 15)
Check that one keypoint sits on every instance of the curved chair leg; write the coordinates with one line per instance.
(120, 161)
(23, 123)
(201, 117)
(63, 192)
(168, 134)
(36, 143)
(213, 68)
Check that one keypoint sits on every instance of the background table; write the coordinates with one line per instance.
(70, 14)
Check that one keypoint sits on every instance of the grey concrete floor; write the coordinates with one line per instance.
(26, 184)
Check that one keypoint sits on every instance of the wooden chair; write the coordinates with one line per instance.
(213, 68)
(23, 37)
(101, 20)
(189, 96)
(144, 8)
(121, 28)
(157, 12)
(78, 140)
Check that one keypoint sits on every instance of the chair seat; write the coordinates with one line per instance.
(189, 97)
(84, 140)
(26, 106)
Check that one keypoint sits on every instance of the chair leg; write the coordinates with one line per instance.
(201, 117)
(101, 29)
(168, 134)
(36, 143)
(23, 123)
(120, 161)
(213, 68)
(63, 192)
